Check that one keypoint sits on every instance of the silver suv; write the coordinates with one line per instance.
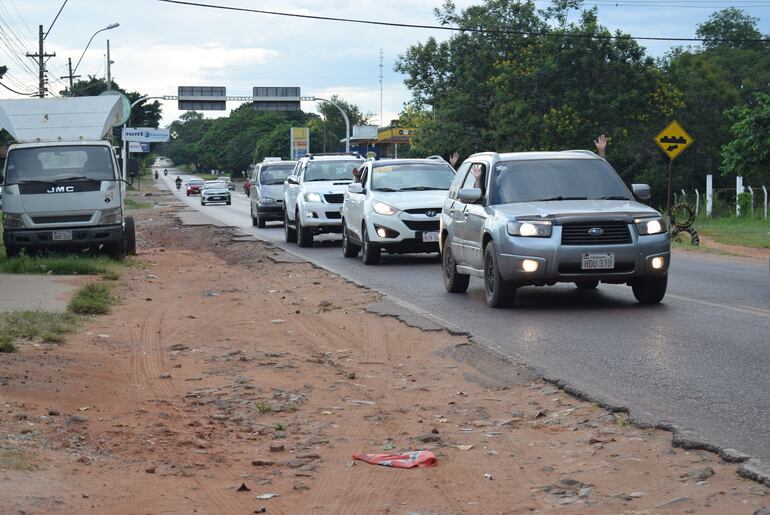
(538, 218)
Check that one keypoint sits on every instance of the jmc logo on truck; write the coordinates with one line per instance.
(61, 189)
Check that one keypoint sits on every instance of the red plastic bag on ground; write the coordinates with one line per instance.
(402, 461)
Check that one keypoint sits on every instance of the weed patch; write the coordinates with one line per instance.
(135, 204)
(38, 325)
(60, 264)
(92, 299)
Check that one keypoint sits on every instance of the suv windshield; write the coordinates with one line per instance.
(412, 177)
(331, 170)
(275, 174)
(556, 179)
(54, 164)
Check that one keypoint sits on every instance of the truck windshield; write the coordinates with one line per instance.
(61, 163)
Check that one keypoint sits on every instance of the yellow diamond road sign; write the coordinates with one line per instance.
(673, 140)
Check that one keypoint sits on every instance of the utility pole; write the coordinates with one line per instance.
(382, 123)
(109, 62)
(70, 76)
(41, 58)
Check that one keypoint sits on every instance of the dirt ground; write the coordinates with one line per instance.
(233, 380)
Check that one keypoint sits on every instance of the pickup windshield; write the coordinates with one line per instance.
(331, 170)
(556, 180)
(59, 164)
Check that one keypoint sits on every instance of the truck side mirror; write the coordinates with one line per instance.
(133, 167)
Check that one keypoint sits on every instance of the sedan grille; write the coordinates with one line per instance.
(596, 233)
(422, 225)
(334, 198)
(66, 219)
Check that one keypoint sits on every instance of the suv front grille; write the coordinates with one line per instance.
(423, 211)
(612, 233)
(334, 198)
(422, 225)
(66, 219)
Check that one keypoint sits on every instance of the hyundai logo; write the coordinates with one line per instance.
(431, 213)
(595, 231)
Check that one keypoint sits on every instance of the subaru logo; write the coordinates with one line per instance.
(431, 213)
(595, 231)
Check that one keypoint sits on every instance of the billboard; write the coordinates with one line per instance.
(202, 98)
(138, 146)
(299, 142)
(273, 98)
(146, 134)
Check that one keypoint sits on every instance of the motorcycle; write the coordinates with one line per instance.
(179, 185)
(156, 174)
(165, 172)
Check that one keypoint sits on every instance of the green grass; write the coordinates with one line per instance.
(263, 407)
(746, 232)
(135, 204)
(92, 299)
(61, 264)
(39, 325)
(16, 459)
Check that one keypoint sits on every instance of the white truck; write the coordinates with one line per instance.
(62, 186)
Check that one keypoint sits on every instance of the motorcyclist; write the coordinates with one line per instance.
(156, 174)
(165, 172)
(178, 182)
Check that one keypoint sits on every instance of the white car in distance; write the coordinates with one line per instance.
(394, 206)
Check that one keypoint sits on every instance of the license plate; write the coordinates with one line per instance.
(598, 261)
(429, 237)
(216, 198)
(62, 235)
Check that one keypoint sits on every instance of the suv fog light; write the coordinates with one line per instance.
(381, 232)
(658, 262)
(309, 214)
(530, 265)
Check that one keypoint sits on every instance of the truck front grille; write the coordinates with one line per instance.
(64, 219)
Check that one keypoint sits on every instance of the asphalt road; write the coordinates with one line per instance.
(700, 360)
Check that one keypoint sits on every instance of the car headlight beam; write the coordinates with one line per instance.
(530, 228)
(382, 208)
(647, 226)
(313, 197)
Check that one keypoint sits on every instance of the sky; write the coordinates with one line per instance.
(160, 46)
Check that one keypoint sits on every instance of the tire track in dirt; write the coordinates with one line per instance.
(148, 360)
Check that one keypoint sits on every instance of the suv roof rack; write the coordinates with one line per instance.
(582, 151)
(321, 154)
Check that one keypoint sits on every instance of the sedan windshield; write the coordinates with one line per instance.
(59, 163)
(275, 174)
(331, 170)
(195, 182)
(215, 186)
(412, 177)
(556, 179)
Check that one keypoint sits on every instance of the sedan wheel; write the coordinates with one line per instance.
(498, 292)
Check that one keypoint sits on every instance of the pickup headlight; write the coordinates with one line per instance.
(530, 228)
(384, 209)
(650, 225)
(11, 221)
(268, 200)
(313, 197)
(111, 216)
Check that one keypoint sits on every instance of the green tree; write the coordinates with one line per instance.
(731, 28)
(748, 154)
(333, 124)
(144, 114)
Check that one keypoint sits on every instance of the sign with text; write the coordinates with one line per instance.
(146, 134)
(299, 138)
(138, 146)
(673, 140)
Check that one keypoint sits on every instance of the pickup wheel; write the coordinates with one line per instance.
(498, 292)
(650, 290)
(370, 253)
(289, 232)
(587, 285)
(304, 234)
(454, 281)
(349, 249)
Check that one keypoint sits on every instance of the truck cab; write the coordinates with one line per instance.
(63, 189)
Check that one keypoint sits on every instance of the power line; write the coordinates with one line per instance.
(17, 92)
(457, 29)
(54, 20)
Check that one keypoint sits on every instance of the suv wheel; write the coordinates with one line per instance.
(586, 285)
(370, 253)
(349, 249)
(454, 282)
(498, 292)
(254, 221)
(304, 234)
(289, 232)
(259, 221)
(650, 290)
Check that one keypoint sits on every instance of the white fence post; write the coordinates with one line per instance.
(751, 191)
(765, 192)
(697, 202)
(738, 191)
(709, 195)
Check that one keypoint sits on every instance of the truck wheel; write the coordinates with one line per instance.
(116, 250)
(349, 249)
(289, 232)
(370, 253)
(304, 234)
(586, 285)
(650, 290)
(454, 281)
(12, 252)
(498, 292)
(130, 236)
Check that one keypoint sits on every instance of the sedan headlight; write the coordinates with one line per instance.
(650, 225)
(530, 228)
(11, 221)
(384, 209)
(268, 200)
(313, 197)
(112, 216)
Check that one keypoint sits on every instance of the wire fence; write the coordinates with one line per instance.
(724, 201)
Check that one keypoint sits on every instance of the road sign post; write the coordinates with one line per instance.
(673, 140)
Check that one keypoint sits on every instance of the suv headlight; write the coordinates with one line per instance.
(111, 216)
(530, 228)
(313, 197)
(11, 221)
(650, 225)
(382, 208)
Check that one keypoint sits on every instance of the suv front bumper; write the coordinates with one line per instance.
(399, 237)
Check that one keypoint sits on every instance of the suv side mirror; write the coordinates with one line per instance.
(133, 167)
(641, 191)
(356, 187)
(292, 180)
(470, 195)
